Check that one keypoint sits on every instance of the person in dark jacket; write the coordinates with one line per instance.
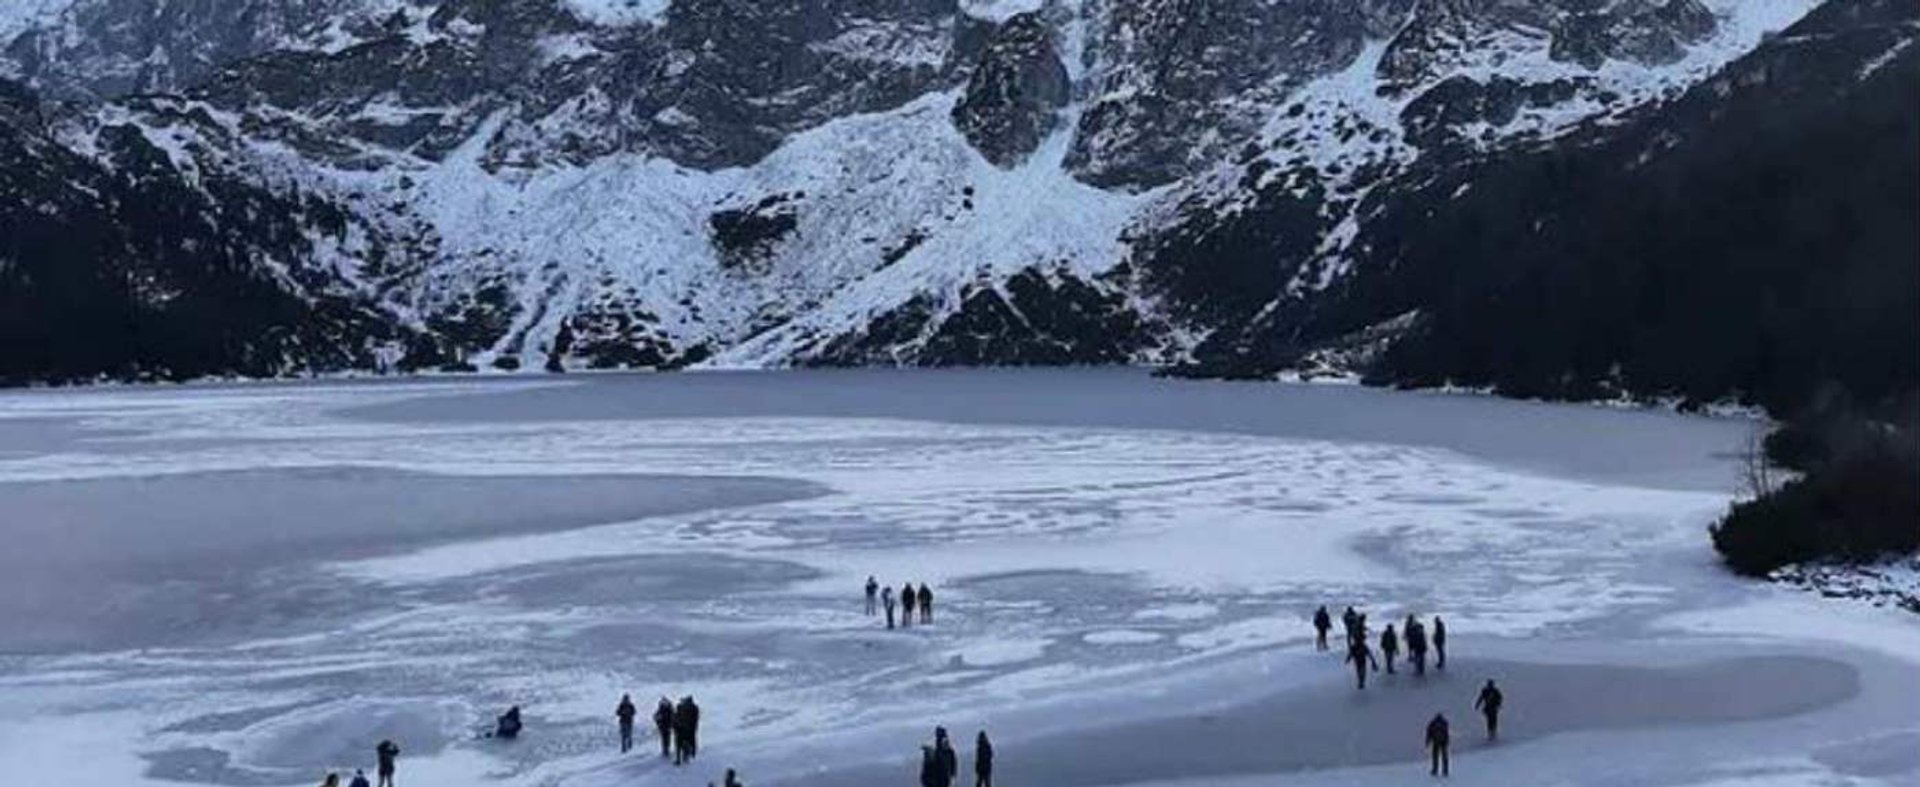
(1350, 621)
(908, 599)
(873, 589)
(1361, 657)
(1439, 643)
(1489, 705)
(686, 730)
(1439, 737)
(926, 603)
(1416, 637)
(982, 761)
(886, 597)
(731, 780)
(1322, 622)
(1389, 646)
(939, 766)
(663, 724)
(359, 779)
(508, 726)
(625, 712)
(383, 757)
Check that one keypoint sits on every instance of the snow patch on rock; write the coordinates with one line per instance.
(998, 11)
(617, 13)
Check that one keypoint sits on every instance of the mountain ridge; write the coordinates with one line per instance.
(916, 182)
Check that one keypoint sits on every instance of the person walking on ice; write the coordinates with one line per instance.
(982, 761)
(383, 756)
(926, 603)
(1439, 643)
(625, 712)
(1489, 705)
(1389, 646)
(939, 766)
(908, 599)
(873, 589)
(663, 725)
(1321, 623)
(886, 599)
(1416, 636)
(1361, 657)
(686, 731)
(1439, 738)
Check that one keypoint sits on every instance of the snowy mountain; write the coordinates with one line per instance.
(654, 183)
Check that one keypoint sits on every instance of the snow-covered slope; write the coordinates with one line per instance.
(637, 183)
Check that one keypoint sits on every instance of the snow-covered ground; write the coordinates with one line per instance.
(1124, 567)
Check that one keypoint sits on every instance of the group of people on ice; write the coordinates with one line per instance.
(911, 598)
(676, 724)
(384, 756)
(940, 764)
(1414, 635)
(1360, 654)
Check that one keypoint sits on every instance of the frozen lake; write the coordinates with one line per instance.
(250, 585)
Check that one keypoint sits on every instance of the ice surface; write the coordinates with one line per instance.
(1329, 725)
(136, 561)
(1642, 448)
(1115, 557)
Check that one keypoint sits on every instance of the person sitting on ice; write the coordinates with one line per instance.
(508, 725)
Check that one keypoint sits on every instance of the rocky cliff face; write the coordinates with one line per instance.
(1175, 85)
(130, 262)
(112, 48)
(1715, 244)
(1014, 95)
(557, 184)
